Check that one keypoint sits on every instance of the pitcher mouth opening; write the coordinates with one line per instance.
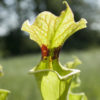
(69, 72)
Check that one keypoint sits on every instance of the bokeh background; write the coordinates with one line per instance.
(18, 53)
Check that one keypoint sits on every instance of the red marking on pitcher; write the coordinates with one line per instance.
(44, 50)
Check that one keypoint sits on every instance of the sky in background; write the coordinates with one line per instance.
(9, 18)
(95, 13)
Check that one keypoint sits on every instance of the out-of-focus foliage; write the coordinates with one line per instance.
(73, 64)
(1, 71)
(75, 82)
(3, 93)
(77, 96)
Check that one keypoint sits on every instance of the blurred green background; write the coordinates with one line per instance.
(18, 53)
